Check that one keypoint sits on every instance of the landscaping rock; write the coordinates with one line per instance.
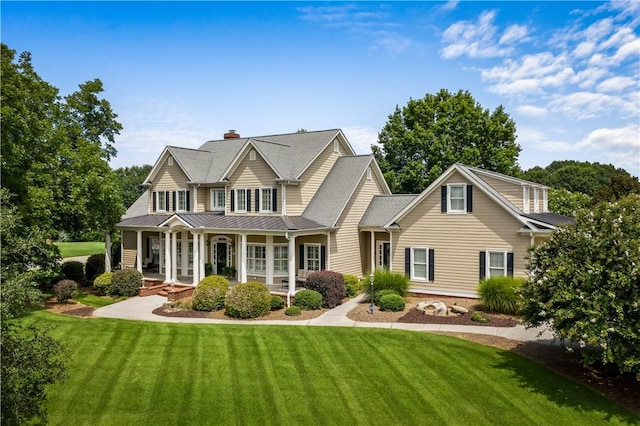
(459, 309)
(433, 307)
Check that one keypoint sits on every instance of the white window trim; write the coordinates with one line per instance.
(413, 275)
(254, 271)
(164, 200)
(237, 198)
(464, 198)
(336, 146)
(369, 173)
(214, 199)
(177, 201)
(170, 161)
(281, 272)
(306, 256)
(525, 199)
(252, 155)
(270, 199)
(488, 262)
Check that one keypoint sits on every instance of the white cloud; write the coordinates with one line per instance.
(361, 138)
(616, 84)
(473, 39)
(625, 138)
(532, 111)
(587, 105)
(514, 33)
(584, 49)
(449, 6)
(392, 42)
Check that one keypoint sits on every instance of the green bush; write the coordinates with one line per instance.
(102, 283)
(125, 282)
(500, 294)
(94, 266)
(293, 311)
(64, 290)
(479, 316)
(73, 270)
(380, 294)
(352, 285)
(392, 302)
(249, 300)
(308, 300)
(276, 303)
(387, 280)
(330, 285)
(210, 293)
(208, 269)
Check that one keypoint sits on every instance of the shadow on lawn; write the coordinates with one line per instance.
(568, 393)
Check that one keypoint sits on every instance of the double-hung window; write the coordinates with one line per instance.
(497, 263)
(312, 257)
(217, 199)
(265, 200)
(281, 259)
(419, 263)
(161, 201)
(256, 259)
(182, 204)
(457, 198)
(241, 200)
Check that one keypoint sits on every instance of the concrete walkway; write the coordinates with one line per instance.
(140, 308)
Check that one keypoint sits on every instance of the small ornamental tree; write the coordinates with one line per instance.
(585, 279)
(330, 285)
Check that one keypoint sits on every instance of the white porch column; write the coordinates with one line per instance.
(390, 250)
(160, 253)
(242, 276)
(373, 251)
(184, 262)
(292, 266)
(328, 250)
(283, 195)
(195, 203)
(269, 259)
(196, 258)
(202, 258)
(167, 253)
(139, 251)
(174, 257)
(107, 252)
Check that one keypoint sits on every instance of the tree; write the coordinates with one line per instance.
(55, 152)
(130, 180)
(585, 283)
(618, 187)
(425, 137)
(566, 202)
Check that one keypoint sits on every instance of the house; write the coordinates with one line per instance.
(267, 207)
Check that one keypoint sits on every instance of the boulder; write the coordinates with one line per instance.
(459, 309)
(433, 307)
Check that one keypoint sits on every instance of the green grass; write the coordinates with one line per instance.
(73, 249)
(135, 373)
(94, 300)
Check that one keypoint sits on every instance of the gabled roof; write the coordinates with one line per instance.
(504, 178)
(383, 208)
(549, 218)
(336, 190)
(139, 207)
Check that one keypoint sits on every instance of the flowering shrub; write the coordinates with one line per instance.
(249, 300)
(330, 285)
(586, 280)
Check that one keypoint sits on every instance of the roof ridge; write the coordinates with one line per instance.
(270, 142)
(277, 134)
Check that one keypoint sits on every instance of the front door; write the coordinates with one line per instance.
(221, 257)
(384, 254)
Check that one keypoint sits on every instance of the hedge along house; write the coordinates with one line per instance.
(261, 208)
(264, 208)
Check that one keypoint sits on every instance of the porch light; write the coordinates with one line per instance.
(371, 304)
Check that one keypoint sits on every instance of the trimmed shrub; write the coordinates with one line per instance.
(479, 316)
(249, 300)
(392, 302)
(73, 270)
(378, 295)
(352, 285)
(308, 300)
(293, 311)
(64, 290)
(210, 293)
(387, 280)
(125, 282)
(276, 303)
(94, 266)
(330, 285)
(500, 294)
(102, 283)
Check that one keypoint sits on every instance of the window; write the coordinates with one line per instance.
(256, 259)
(497, 263)
(189, 254)
(182, 201)
(419, 264)
(457, 198)
(281, 259)
(161, 197)
(265, 200)
(241, 200)
(217, 199)
(312, 257)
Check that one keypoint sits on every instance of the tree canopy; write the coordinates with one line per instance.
(130, 180)
(425, 137)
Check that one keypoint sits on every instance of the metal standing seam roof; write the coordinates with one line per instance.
(335, 191)
(384, 207)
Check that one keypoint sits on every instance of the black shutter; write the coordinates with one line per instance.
(483, 265)
(407, 261)
(510, 264)
(166, 200)
(469, 198)
(301, 257)
(175, 204)
(248, 194)
(323, 255)
(155, 203)
(257, 200)
(432, 259)
(232, 195)
(274, 199)
(443, 199)
(188, 200)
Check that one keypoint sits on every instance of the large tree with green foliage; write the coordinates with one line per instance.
(585, 284)
(566, 202)
(55, 152)
(425, 137)
(130, 180)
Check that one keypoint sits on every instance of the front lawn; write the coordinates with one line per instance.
(94, 300)
(139, 373)
(83, 248)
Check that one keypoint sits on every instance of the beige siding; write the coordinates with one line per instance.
(457, 240)
(168, 178)
(299, 196)
(204, 202)
(348, 250)
(252, 175)
(510, 191)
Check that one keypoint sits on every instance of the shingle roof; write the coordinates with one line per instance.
(139, 207)
(384, 207)
(213, 220)
(327, 204)
(550, 218)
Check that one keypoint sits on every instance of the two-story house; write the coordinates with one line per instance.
(270, 206)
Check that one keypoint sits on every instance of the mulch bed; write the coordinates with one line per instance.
(418, 317)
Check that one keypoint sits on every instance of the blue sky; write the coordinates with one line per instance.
(183, 73)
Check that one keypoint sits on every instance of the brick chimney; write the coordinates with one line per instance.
(231, 134)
